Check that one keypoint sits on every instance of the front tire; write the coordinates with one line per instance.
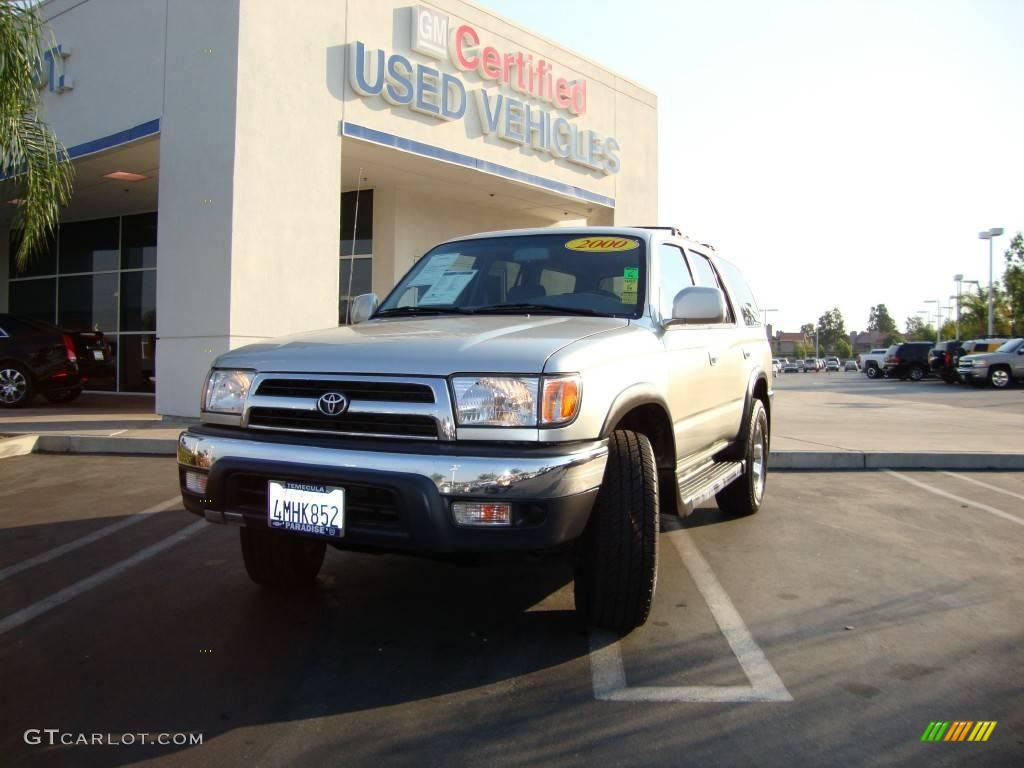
(999, 377)
(617, 564)
(872, 372)
(743, 496)
(279, 560)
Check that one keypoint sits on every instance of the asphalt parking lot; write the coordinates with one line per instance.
(830, 629)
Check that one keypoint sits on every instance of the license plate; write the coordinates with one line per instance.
(310, 508)
(97, 354)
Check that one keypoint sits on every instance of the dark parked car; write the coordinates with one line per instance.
(36, 357)
(942, 360)
(908, 360)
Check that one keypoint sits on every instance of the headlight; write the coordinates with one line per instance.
(516, 401)
(225, 391)
(980, 362)
(496, 401)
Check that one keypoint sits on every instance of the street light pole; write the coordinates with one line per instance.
(990, 235)
(959, 280)
(938, 311)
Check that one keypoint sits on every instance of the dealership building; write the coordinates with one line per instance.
(243, 167)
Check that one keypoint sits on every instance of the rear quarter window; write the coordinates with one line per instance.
(742, 295)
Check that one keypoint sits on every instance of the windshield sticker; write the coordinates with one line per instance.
(434, 269)
(448, 288)
(630, 276)
(602, 244)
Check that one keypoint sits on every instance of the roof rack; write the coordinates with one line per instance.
(674, 230)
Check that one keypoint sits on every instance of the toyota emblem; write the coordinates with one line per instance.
(332, 403)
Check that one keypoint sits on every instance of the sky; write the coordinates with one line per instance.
(841, 152)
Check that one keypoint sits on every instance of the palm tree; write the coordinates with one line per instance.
(35, 171)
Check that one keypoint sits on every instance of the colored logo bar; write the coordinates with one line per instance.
(958, 730)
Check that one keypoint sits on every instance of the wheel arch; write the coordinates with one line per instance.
(642, 409)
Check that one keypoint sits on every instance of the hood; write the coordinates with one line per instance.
(434, 346)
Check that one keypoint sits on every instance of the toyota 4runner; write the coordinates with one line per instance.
(522, 391)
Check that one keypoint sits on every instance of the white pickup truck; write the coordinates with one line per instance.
(873, 362)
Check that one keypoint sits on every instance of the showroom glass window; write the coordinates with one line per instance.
(98, 275)
(355, 248)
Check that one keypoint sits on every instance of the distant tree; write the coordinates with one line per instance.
(974, 313)
(807, 329)
(892, 338)
(843, 350)
(918, 330)
(831, 328)
(880, 320)
(1013, 279)
(799, 350)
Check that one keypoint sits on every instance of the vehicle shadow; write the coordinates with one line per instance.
(187, 644)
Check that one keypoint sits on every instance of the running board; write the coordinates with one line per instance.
(707, 480)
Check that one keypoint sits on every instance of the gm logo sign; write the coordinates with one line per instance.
(429, 32)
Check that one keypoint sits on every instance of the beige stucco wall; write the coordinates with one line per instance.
(251, 102)
(615, 107)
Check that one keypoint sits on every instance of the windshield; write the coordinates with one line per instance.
(519, 274)
(1011, 346)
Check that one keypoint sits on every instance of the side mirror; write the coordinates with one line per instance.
(363, 306)
(699, 306)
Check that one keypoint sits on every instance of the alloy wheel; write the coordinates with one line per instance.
(13, 386)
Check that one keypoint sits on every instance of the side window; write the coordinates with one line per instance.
(675, 276)
(704, 275)
(742, 296)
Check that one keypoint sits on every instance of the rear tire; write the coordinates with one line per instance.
(16, 390)
(872, 372)
(916, 373)
(743, 496)
(64, 396)
(280, 560)
(617, 563)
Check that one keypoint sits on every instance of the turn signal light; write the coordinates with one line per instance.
(561, 400)
(195, 482)
(481, 514)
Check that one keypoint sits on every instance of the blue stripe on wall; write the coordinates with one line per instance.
(121, 137)
(436, 153)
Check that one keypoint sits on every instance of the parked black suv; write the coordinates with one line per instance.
(942, 360)
(908, 360)
(39, 357)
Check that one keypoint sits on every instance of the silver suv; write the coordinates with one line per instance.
(998, 368)
(524, 391)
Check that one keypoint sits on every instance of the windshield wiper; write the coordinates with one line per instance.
(527, 307)
(423, 311)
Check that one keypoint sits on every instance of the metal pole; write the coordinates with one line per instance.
(958, 284)
(990, 286)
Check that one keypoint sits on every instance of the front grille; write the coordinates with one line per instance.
(367, 507)
(374, 391)
(351, 423)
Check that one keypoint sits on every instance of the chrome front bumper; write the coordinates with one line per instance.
(528, 475)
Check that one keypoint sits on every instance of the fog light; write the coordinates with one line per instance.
(473, 513)
(195, 482)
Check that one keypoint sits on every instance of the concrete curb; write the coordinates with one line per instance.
(793, 461)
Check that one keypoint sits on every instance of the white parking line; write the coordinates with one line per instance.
(59, 598)
(609, 676)
(960, 499)
(995, 488)
(71, 546)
